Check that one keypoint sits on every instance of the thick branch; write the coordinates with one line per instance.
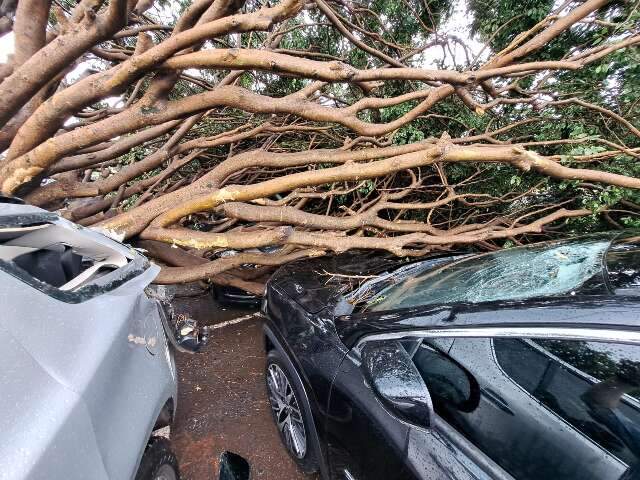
(47, 118)
(349, 172)
(215, 267)
(49, 61)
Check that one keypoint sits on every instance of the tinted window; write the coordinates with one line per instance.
(593, 386)
(515, 274)
(544, 408)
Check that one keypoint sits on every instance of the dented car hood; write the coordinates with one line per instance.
(332, 287)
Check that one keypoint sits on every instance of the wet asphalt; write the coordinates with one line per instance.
(222, 404)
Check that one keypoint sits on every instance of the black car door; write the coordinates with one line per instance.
(504, 408)
(562, 409)
(364, 441)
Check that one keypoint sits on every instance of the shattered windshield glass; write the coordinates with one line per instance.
(514, 274)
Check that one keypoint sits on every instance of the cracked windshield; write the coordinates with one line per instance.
(514, 274)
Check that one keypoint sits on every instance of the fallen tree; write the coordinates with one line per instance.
(321, 126)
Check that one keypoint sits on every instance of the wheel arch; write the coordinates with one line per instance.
(166, 415)
(273, 342)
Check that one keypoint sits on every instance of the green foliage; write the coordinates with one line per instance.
(501, 21)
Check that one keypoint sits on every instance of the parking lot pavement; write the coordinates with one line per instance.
(223, 403)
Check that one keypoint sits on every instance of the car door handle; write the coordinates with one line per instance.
(497, 400)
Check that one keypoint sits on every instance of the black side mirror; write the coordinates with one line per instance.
(233, 467)
(396, 381)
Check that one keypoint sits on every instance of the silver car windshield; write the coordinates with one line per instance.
(514, 274)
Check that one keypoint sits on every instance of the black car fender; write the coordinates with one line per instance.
(310, 405)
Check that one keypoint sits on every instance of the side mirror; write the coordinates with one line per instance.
(396, 381)
(183, 332)
(190, 336)
(233, 467)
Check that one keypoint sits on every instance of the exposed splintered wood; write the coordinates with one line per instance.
(263, 133)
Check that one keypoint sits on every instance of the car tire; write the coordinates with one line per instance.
(158, 462)
(292, 401)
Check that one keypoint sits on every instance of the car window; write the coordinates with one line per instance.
(593, 386)
(526, 403)
(514, 274)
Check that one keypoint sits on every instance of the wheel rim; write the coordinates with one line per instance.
(165, 472)
(286, 411)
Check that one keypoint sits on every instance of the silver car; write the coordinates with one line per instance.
(86, 372)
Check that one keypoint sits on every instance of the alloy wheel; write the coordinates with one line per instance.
(286, 411)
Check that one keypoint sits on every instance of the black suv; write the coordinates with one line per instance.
(522, 363)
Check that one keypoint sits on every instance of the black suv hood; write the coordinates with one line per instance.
(322, 282)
